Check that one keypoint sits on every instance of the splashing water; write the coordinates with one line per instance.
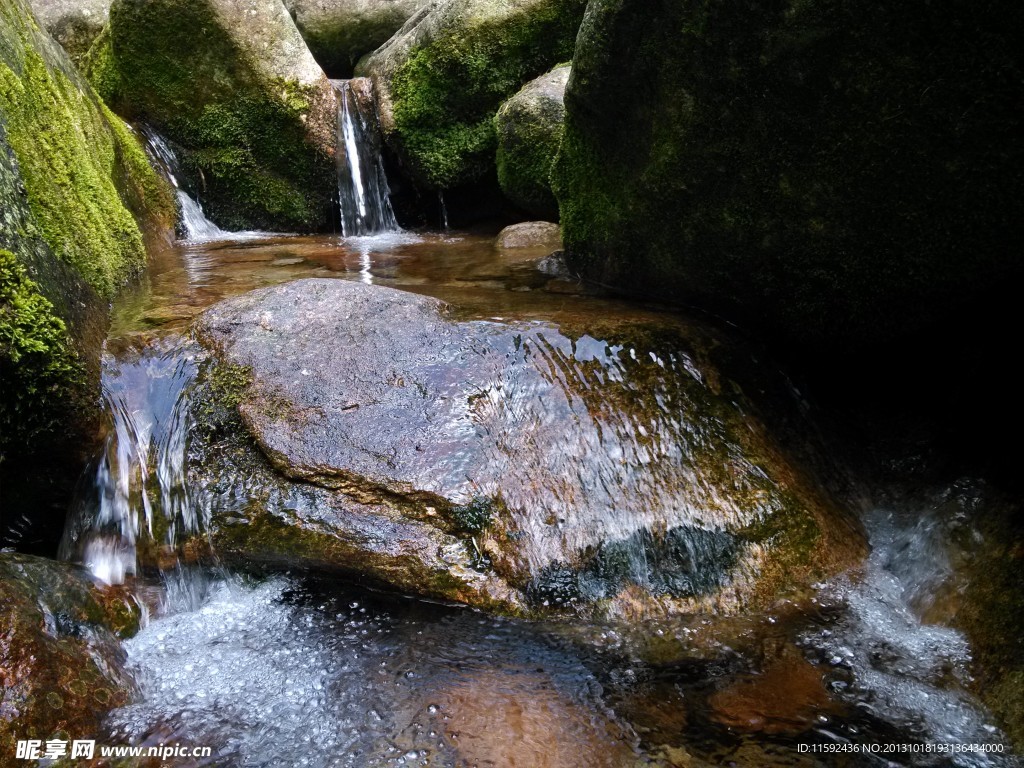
(362, 184)
(194, 224)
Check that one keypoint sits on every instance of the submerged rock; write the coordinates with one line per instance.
(808, 167)
(236, 89)
(61, 665)
(442, 77)
(340, 32)
(529, 128)
(76, 195)
(516, 466)
(75, 24)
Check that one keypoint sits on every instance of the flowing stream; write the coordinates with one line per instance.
(293, 669)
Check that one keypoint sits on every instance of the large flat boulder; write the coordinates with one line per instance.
(550, 469)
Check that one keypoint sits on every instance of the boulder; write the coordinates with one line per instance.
(535, 235)
(810, 168)
(340, 32)
(75, 24)
(529, 128)
(442, 77)
(61, 665)
(235, 88)
(76, 195)
(515, 466)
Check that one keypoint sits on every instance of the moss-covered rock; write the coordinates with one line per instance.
(340, 32)
(834, 169)
(75, 24)
(76, 195)
(441, 79)
(61, 666)
(529, 128)
(234, 86)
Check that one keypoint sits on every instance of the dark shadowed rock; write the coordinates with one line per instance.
(828, 171)
(61, 666)
(567, 470)
(340, 32)
(529, 128)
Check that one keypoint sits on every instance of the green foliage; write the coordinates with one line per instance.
(39, 369)
(68, 156)
(473, 517)
(447, 92)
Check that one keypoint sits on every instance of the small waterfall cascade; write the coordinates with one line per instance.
(134, 508)
(194, 224)
(362, 184)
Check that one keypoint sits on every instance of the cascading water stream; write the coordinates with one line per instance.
(362, 184)
(136, 509)
(194, 223)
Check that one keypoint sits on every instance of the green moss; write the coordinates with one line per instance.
(524, 160)
(446, 93)
(68, 158)
(245, 143)
(219, 390)
(808, 167)
(39, 369)
(529, 128)
(99, 67)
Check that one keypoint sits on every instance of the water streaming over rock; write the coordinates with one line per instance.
(194, 224)
(362, 184)
(135, 507)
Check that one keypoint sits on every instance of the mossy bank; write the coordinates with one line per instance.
(76, 195)
(236, 90)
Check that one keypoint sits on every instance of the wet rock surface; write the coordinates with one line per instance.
(549, 471)
(531, 234)
(61, 665)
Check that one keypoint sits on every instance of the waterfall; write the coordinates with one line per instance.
(194, 224)
(362, 184)
(135, 507)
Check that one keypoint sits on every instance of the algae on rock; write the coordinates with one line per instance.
(442, 77)
(61, 666)
(529, 128)
(241, 96)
